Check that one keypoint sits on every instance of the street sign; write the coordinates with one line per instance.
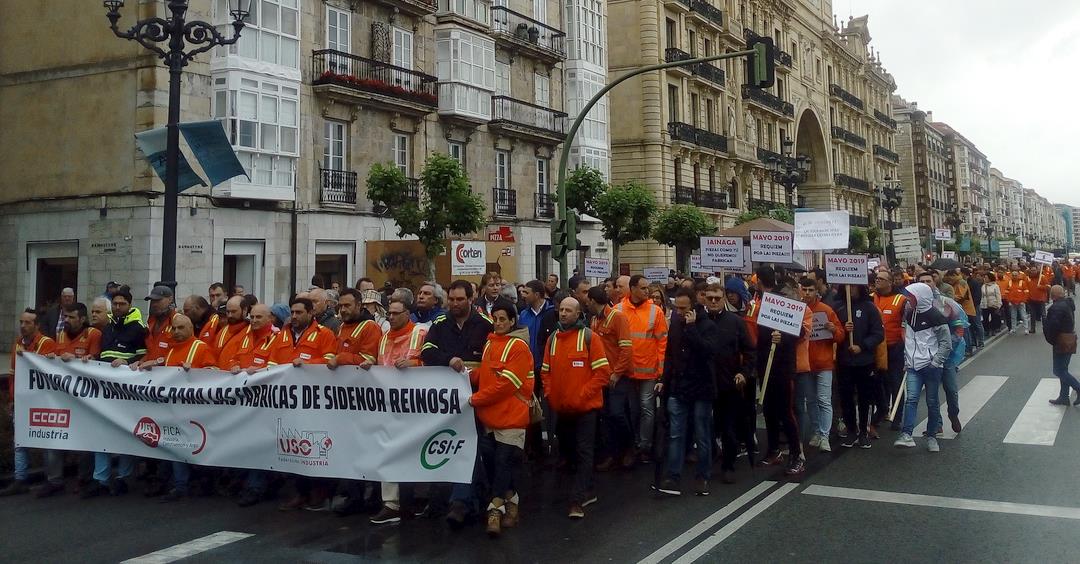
(942, 234)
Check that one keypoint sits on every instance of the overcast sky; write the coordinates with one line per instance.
(1005, 74)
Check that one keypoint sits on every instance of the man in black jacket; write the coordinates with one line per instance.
(1059, 321)
(855, 364)
(733, 362)
(689, 388)
(124, 339)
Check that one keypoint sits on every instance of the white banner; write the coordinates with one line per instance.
(821, 230)
(1043, 257)
(695, 265)
(597, 267)
(771, 246)
(1016, 253)
(656, 273)
(948, 255)
(873, 263)
(467, 258)
(722, 252)
(942, 234)
(846, 269)
(780, 313)
(382, 424)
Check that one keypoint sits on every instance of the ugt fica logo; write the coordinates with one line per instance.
(148, 431)
(302, 444)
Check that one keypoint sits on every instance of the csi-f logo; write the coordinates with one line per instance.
(303, 444)
(148, 431)
(45, 417)
(440, 446)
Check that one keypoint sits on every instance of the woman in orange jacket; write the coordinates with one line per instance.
(504, 382)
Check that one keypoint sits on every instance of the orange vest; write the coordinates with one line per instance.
(192, 351)
(1016, 291)
(262, 349)
(358, 342)
(231, 342)
(611, 327)
(209, 331)
(403, 344)
(504, 382)
(87, 343)
(648, 332)
(159, 337)
(316, 345)
(892, 316)
(39, 344)
(1040, 292)
(574, 373)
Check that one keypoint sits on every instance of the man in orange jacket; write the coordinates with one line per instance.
(359, 334)
(890, 304)
(574, 371)
(77, 339)
(1016, 292)
(158, 326)
(610, 325)
(254, 353)
(1038, 295)
(233, 334)
(813, 394)
(648, 332)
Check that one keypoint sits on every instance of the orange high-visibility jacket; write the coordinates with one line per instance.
(612, 328)
(403, 344)
(39, 344)
(159, 336)
(358, 342)
(260, 351)
(575, 371)
(648, 332)
(823, 353)
(224, 335)
(892, 316)
(192, 351)
(231, 341)
(316, 345)
(88, 342)
(1016, 291)
(1040, 293)
(208, 333)
(504, 382)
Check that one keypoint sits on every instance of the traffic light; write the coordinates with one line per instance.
(761, 66)
(558, 239)
(572, 232)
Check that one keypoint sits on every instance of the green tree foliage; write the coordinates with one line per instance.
(778, 213)
(857, 240)
(447, 205)
(625, 211)
(583, 187)
(682, 227)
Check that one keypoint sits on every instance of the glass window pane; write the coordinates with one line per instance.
(269, 16)
(288, 112)
(249, 45)
(248, 105)
(220, 103)
(268, 113)
(268, 140)
(289, 18)
(289, 53)
(247, 134)
(288, 140)
(268, 47)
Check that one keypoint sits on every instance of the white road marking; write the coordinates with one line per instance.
(718, 537)
(706, 524)
(946, 502)
(993, 343)
(190, 548)
(1038, 422)
(973, 396)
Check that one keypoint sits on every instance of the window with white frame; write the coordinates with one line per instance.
(585, 22)
(261, 118)
(592, 158)
(403, 48)
(502, 78)
(338, 26)
(541, 176)
(541, 90)
(401, 152)
(334, 145)
(540, 10)
(466, 70)
(582, 85)
(456, 150)
(502, 169)
(476, 10)
(271, 32)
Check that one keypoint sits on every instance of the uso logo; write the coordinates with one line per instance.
(148, 431)
(44, 417)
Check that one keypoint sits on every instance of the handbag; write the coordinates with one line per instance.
(536, 411)
(1065, 343)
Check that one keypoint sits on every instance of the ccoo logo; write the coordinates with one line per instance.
(45, 417)
(441, 444)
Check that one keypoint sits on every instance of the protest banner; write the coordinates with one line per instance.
(468, 258)
(656, 273)
(747, 266)
(771, 246)
(942, 234)
(695, 266)
(780, 313)
(1043, 257)
(721, 252)
(381, 424)
(872, 264)
(948, 255)
(597, 267)
(816, 231)
(1016, 253)
(846, 269)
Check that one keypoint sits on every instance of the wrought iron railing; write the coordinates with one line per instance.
(507, 109)
(545, 205)
(338, 186)
(685, 132)
(768, 99)
(504, 202)
(352, 71)
(672, 54)
(702, 198)
(886, 154)
(878, 115)
(851, 182)
(836, 90)
(708, 11)
(858, 221)
(525, 29)
(849, 136)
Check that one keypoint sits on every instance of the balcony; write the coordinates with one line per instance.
(521, 33)
(418, 8)
(470, 13)
(679, 6)
(354, 79)
(851, 138)
(688, 195)
(768, 101)
(847, 97)
(884, 119)
(464, 102)
(707, 14)
(338, 187)
(852, 182)
(783, 59)
(522, 119)
(504, 202)
(858, 221)
(884, 153)
(710, 73)
(412, 191)
(890, 225)
(545, 205)
(700, 137)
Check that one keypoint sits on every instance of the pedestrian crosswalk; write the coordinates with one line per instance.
(1038, 422)
(973, 396)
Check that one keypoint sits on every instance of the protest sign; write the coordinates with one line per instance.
(770, 246)
(657, 273)
(942, 234)
(819, 331)
(821, 230)
(948, 255)
(721, 252)
(1043, 257)
(780, 313)
(846, 269)
(597, 267)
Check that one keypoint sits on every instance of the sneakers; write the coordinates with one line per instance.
(850, 442)
(905, 441)
(323, 505)
(669, 487)
(386, 515)
(590, 498)
(456, 516)
(701, 487)
(1059, 401)
(841, 430)
(815, 440)
(494, 518)
(864, 441)
(798, 467)
(49, 489)
(576, 511)
(511, 517)
(824, 445)
(955, 420)
(872, 433)
(772, 459)
(932, 445)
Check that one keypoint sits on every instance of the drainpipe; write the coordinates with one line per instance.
(293, 250)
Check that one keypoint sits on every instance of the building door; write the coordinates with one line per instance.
(243, 266)
(53, 266)
(333, 262)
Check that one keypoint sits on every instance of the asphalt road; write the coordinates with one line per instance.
(905, 505)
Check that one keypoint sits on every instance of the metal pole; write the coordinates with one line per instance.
(172, 149)
(565, 156)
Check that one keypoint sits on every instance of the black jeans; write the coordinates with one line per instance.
(727, 413)
(779, 409)
(1035, 313)
(861, 380)
(577, 440)
(1061, 370)
(502, 463)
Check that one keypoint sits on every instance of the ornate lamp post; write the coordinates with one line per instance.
(168, 38)
(789, 171)
(890, 196)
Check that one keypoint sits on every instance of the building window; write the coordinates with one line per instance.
(540, 10)
(502, 78)
(673, 102)
(586, 35)
(261, 117)
(466, 71)
(691, 36)
(581, 86)
(403, 49)
(271, 32)
(709, 114)
(334, 134)
(672, 40)
(694, 109)
(542, 176)
(542, 90)
(678, 172)
(476, 10)
(401, 152)
(712, 179)
(337, 29)
(697, 175)
(456, 150)
(502, 169)
(708, 48)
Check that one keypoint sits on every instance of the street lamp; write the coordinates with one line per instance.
(175, 33)
(787, 171)
(891, 196)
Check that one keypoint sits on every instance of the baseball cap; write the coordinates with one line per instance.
(160, 292)
(369, 297)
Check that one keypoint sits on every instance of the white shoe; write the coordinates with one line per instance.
(906, 441)
(824, 445)
(815, 440)
(932, 445)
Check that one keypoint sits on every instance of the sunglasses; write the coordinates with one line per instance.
(714, 298)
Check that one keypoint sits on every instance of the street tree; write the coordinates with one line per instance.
(625, 211)
(446, 206)
(583, 187)
(779, 213)
(682, 227)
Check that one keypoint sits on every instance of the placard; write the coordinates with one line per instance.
(722, 252)
(656, 273)
(942, 234)
(597, 267)
(1043, 257)
(846, 269)
(816, 231)
(948, 255)
(819, 332)
(468, 258)
(872, 264)
(771, 246)
(780, 313)
(695, 266)
(747, 266)
(1016, 253)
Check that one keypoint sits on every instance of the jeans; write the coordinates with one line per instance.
(952, 392)
(779, 408)
(930, 377)
(1018, 311)
(646, 416)
(813, 402)
(256, 481)
(502, 462)
(125, 465)
(1061, 370)
(893, 379)
(859, 380)
(978, 335)
(54, 465)
(577, 438)
(679, 412)
(1035, 312)
(181, 475)
(620, 407)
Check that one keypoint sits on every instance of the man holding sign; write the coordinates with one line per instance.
(814, 394)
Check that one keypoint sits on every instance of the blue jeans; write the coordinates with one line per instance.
(952, 392)
(103, 466)
(977, 332)
(181, 475)
(1018, 311)
(679, 412)
(54, 465)
(817, 387)
(930, 377)
(22, 463)
(1061, 370)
